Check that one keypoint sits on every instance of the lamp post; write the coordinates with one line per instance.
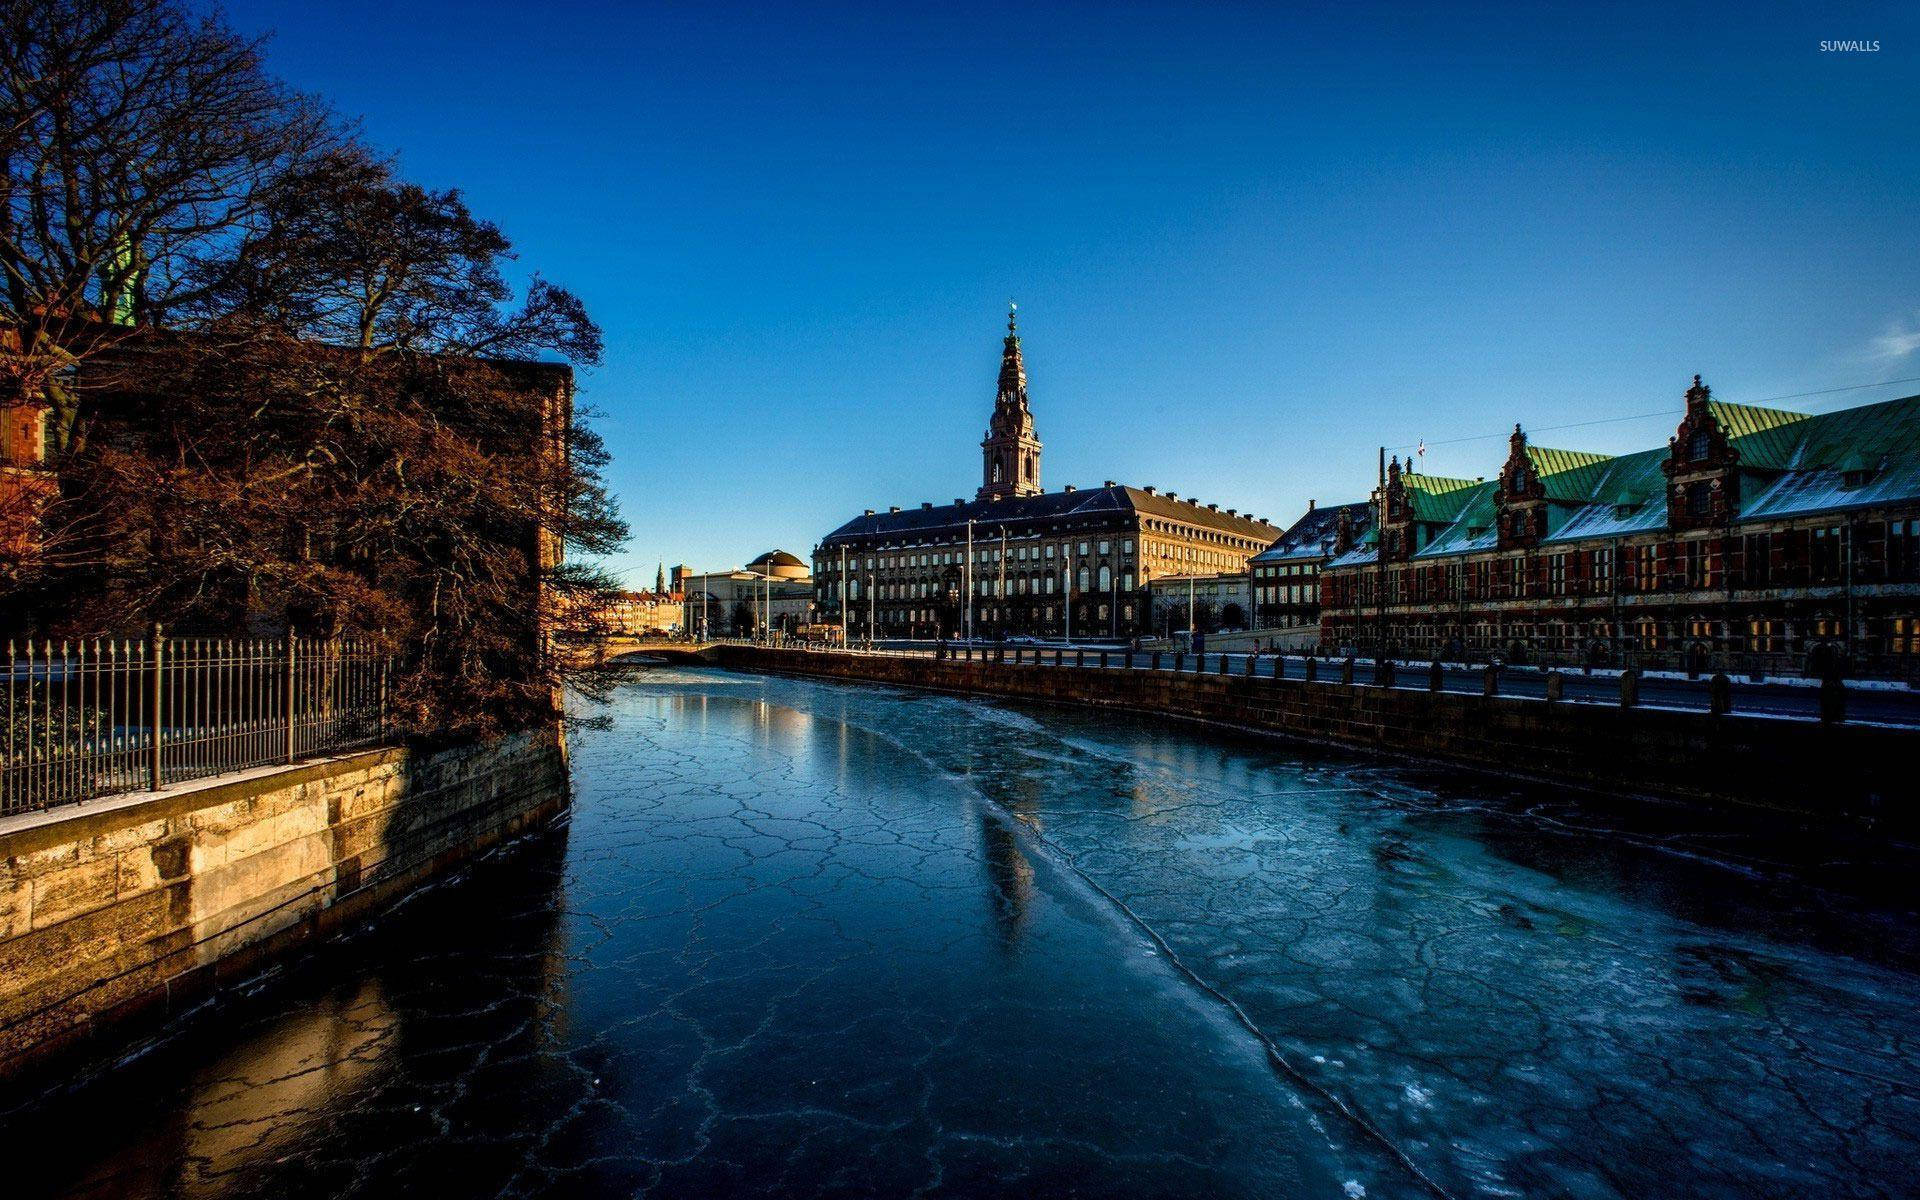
(969, 580)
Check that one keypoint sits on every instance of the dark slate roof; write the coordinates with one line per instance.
(1047, 506)
(1312, 536)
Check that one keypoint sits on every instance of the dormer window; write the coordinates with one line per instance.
(1699, 499)
(1858, 478)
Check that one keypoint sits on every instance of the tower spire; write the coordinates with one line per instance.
(1010, 454)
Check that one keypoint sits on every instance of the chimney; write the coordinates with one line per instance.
(1309, 506)
(925, 504)
(1213, 508)
(869, 512)
(1173, 495)
(1151, 490)
(1108, 483)
(1233, 512)
(959, 503)
(893, 508)
(1069, 488)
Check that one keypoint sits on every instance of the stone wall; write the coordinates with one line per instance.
(139, 905)
(1848, 771)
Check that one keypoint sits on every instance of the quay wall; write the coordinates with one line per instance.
(130, 909)
(1850, 772)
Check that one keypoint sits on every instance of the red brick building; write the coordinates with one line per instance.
(1757, 539)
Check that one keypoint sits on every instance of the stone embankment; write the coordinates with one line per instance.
(1852, 772)
(140, 905)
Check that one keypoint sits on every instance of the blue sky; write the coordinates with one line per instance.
(1249, 244)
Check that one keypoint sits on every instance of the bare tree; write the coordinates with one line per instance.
(298, 394)
(137, 140)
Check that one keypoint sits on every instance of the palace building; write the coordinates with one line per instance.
(1019, 559)
(1757, 539)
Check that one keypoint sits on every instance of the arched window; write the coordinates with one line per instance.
(1106, 579)
(1083, 579)
(996, 470)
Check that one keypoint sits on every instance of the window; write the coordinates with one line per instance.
(1756, 559)
(1082, 580)
(1106, 578)
(1557, 574)
(1826, 554)
(1700, 447)
(1699, 499)
(1603, 570)
(1764, 637)
(1106, 547)
(1904, 635)
(1646, 568)
(1903, 548)
(1699, 565)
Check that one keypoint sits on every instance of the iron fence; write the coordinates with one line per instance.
(99, 716)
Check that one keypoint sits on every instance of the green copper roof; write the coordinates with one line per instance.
(1567, 474)
(1435, 497)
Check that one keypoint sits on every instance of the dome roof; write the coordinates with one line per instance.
(780, 565)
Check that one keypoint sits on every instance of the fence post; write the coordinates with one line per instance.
(153, 710)
(1312, 669)
(1253, 663)
(1383, 672)
(287, 698)
(1720, 694)
(1436, 677)
(1554, 686)
(1833, 698)
(1490, 680)
(1629, 687)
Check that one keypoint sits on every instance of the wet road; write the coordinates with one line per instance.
(812, 939)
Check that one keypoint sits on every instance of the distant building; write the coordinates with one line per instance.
(1019, 559)
(1215, 602)
(1286, 575)
(644, 614)
(774, 590)
(1755, 539)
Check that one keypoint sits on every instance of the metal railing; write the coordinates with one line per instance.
(99, 716)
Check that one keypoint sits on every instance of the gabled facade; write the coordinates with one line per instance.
(1286, 575)
(1757, 539)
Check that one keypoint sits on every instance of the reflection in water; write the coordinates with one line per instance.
(758, 964)
(1011, 875)
(266, 1094)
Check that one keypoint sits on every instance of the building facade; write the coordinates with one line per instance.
(1017, 559)
(1286, 575)
(774, 591)
(1209, 603)
(1756, 540)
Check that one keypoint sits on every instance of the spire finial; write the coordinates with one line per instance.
(1012, 310)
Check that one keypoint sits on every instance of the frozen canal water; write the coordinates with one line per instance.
(807, 939)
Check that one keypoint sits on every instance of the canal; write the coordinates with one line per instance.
(809, 939)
